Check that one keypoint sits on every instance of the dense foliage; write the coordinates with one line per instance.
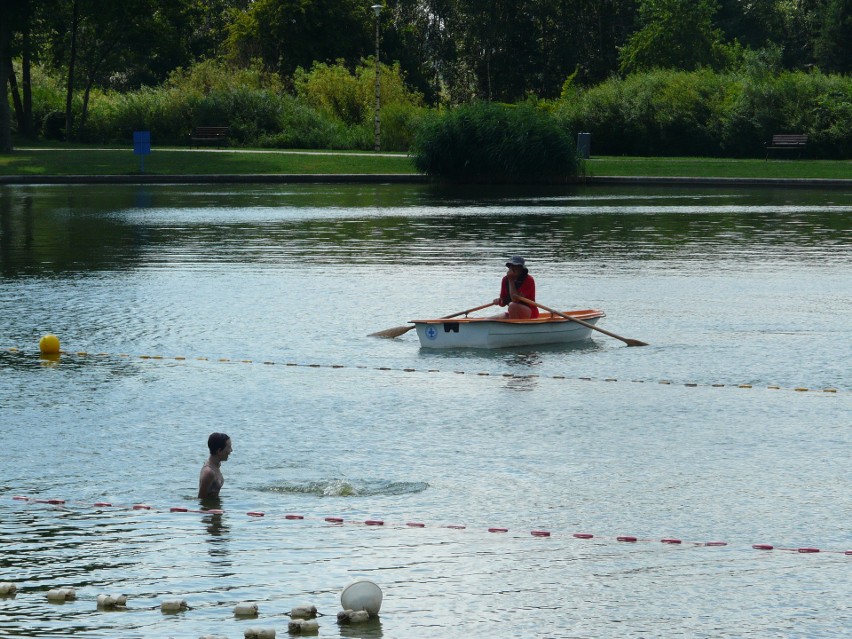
(332, 108)
(489, 142)
(701, 113)
(94, 69)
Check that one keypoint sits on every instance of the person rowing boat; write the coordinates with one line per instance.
(517, 283)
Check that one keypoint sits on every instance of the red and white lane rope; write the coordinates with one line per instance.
(339, 521)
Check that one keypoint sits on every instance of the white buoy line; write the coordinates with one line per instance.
(361, 601)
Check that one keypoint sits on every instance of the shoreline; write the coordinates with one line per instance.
(410, 178)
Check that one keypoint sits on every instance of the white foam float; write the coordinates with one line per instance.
(245, 609)
(353, 616)
(7, 588)
(174, 605)
(107, 602)
(61, 594)
(303, 626)
(303, 612)
(259, 633)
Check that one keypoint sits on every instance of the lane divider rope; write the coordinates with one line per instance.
(539, 533)
(227, 360)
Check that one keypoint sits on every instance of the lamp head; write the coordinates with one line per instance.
(377, 9)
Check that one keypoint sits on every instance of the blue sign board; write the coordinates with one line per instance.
(142, 147)
(141, 142)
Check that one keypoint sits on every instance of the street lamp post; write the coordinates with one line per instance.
(377, 9)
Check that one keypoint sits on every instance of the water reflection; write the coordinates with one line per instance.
(58, 229)
(49, 359)
(371, 629)
(216, 528)
(522, 382)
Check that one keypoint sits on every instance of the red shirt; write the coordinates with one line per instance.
(526, 289)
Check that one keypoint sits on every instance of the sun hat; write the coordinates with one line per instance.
(516, 260)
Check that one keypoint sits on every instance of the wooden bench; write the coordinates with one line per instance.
(209, 134)
(787, 142)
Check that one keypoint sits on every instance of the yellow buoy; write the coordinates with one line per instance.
(49, 345)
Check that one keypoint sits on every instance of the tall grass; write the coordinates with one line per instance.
(253, 103)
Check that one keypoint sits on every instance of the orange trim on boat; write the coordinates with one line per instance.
(543, 318)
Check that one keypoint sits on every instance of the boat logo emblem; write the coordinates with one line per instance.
(431, 333)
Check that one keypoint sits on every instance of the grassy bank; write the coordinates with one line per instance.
(719, 168)
(83, 161)
(89, 161)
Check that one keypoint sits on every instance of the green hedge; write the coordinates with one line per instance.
(701, 113)
(488, 142)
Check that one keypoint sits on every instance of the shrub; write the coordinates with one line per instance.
(302, 127)
(399, 126)
(351, 96)
(488, 142)
(165, 112)
(248, 112)
(705, 113)
(53, 125)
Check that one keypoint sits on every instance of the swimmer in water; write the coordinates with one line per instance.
(210, 481)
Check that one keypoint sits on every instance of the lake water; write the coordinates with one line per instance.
(184, 310)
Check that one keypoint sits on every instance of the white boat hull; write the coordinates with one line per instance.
(495, 333)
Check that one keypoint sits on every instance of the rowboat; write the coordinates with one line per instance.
(487, 332)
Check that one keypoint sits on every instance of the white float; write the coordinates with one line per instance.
(353, 616)
(246, 609)
(303, 626)
(303, 612)
(61, 594)
(174, 605)
(362, 595)
(112, 601)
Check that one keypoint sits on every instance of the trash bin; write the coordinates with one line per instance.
(584, 145)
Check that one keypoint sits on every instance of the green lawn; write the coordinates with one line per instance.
(81, 160)
(718, 167)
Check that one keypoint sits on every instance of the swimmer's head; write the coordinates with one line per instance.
(217, 442)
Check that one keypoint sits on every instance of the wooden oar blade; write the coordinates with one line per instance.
(396, 331)
(402, 330)
(626, 340)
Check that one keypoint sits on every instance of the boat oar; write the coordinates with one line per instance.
(626, 340)
(401, 330)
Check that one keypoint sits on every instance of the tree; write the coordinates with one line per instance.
(5, 63)
(12, 13)
(799, 19)
(674, 34)
(508, 49)
(287, 34)
(833, 45)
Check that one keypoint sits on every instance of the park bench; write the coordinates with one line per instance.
(208, 135)
(787, 142)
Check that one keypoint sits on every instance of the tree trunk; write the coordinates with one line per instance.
(85, 112)
(69, 94)
(27, 130)
(16, 95)
(5, 63)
